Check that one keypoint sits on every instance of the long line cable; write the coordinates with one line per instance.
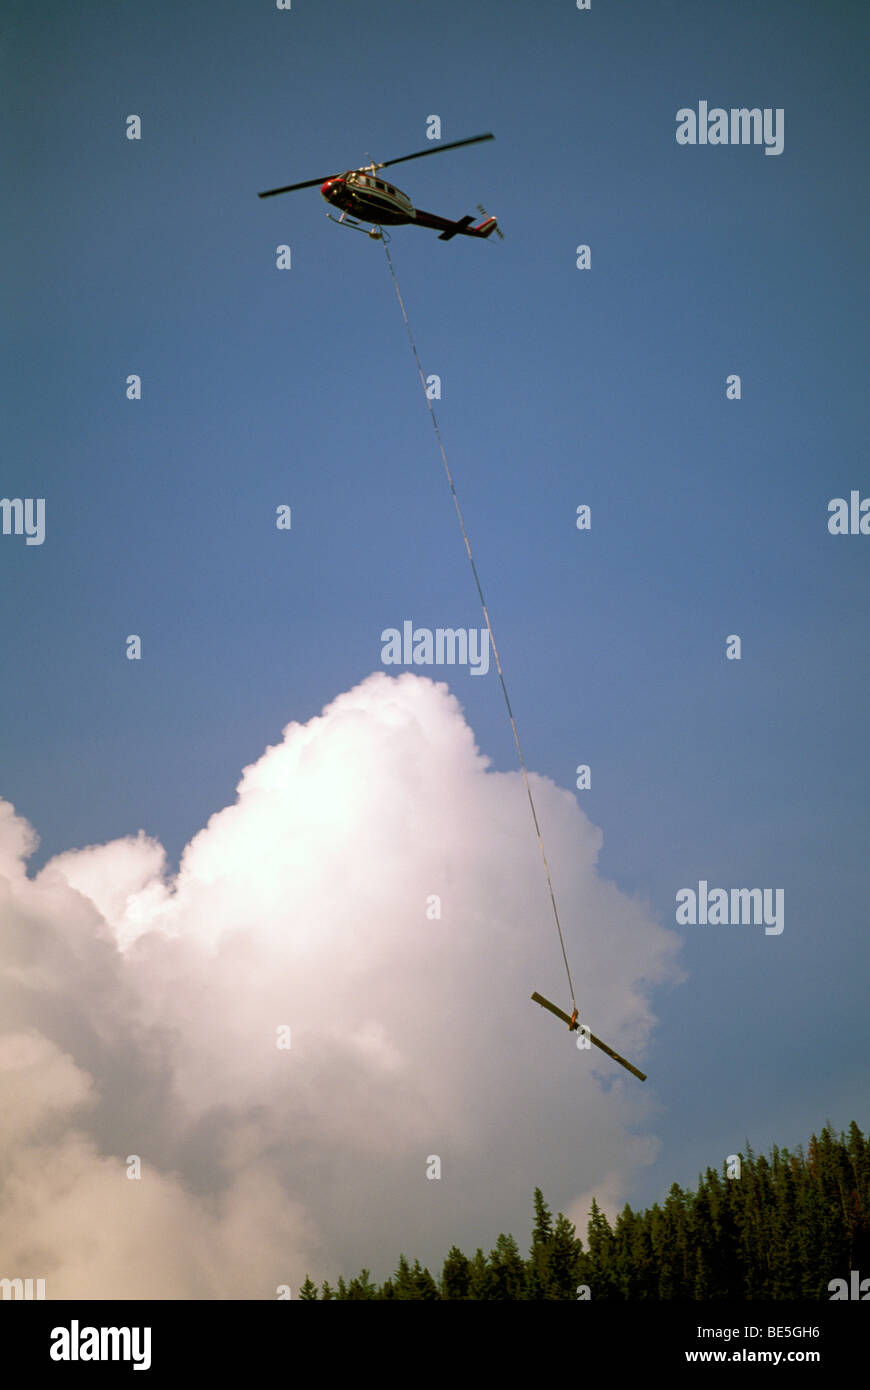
(485, 614)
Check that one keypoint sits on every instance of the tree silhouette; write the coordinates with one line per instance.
(790, 1224)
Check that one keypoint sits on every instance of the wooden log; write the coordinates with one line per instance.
(566, 1018)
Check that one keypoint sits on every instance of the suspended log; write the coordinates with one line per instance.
(574, 1026)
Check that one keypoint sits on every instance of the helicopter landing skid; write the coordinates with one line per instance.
(376, 233)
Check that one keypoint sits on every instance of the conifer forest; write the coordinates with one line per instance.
(784, 1228)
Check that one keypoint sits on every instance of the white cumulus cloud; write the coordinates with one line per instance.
(142, 1013)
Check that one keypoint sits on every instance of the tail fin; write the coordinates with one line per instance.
(488, 225)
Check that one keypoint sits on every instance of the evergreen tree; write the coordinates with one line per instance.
(700, 1241)
(810, 1228)
(508, 1271)
(599, 1244)
(723, 1269)
(782, 1236)
(308, 1290)
(403, 1281)
(564, 1262)
(645, 1275)
(480, 1280)
(831, 1251)
(858, 1208)
(362, 1288)
(538, 1270)
(455, 1275)
(543, 1227)
(424, 1285)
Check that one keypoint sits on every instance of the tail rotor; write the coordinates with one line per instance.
(497, 229)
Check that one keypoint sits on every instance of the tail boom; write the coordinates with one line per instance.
(448, 230)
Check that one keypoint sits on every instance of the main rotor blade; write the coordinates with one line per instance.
(421, 154)
(437, 149)
(291, 187)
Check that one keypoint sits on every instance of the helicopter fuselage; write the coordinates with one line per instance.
(369, 198)
(362, 195)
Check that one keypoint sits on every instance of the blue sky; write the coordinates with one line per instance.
(560, 387)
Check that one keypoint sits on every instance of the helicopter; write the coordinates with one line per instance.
(362, 196)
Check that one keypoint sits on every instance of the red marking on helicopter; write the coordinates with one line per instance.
(363, 197)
